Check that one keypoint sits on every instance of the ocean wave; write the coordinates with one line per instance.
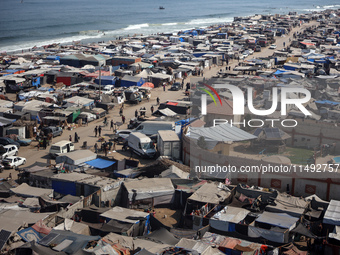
(169, 24)
(137, 26)
(335, 6)
(209, 21)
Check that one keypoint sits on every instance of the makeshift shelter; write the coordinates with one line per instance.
(130, 81)
(27, 191)
(203, 201)
(332, 215)
(219, 133)
(75, 158)
(174, 172)
(226, 219)
(284, 203)
(73, 226)
(147, 192)
(200, 247)
(126, 221)
(100, 163)
(80, 101)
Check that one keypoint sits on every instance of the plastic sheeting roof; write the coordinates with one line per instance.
(28, 191)
(231, 214)
(221, 133)
(332, 215)
(124, 214)
(213, 193)
(281, 220)
(100, 163)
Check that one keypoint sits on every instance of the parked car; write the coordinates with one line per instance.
(142, 145)
(272, 47)
(122, 135)
(24, 142)
(13, 162)
(61, 147)
(7, 141)
(54, 130)
(245, 54)
(8, 150)
(258, 48)
(176, 86)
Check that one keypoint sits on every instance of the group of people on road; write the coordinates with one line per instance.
(97, 131)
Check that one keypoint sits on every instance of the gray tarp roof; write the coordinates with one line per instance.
(213, 193)
(162, 235)
(148, 188)
(231, 214)
(76, 157)
(281, 220)
(28, 191)
(332, 215)
(220, 133)
(124, 214)
(12, 219)
(284, 203)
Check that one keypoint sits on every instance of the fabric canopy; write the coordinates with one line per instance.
(281, 220)
(100, 163)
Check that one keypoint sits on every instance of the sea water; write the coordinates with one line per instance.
(28, 23)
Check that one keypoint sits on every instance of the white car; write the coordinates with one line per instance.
(245, 54)
(13, 162)
(8, 150)
(272, 47)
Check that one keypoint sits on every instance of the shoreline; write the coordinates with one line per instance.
(108, 36)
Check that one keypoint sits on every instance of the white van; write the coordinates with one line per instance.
(151, 128)
(141, 145)
(61, 147)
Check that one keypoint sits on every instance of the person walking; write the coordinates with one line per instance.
(44, 143)
(99, 131)
(76, 137)
(121, 111)
(164, 87)
(95, 131)
(152, 109)
(105, 149)
(70, 138)
(123, 119)
(136, 113)
(111, 124)
(157, 100)
(96, 148)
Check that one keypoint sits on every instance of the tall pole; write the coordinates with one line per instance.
(100, 81)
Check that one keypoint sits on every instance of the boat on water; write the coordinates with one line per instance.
(161, 8)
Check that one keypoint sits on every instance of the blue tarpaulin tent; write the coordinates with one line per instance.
(100, 163)
(279, 72)
(106, 80)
